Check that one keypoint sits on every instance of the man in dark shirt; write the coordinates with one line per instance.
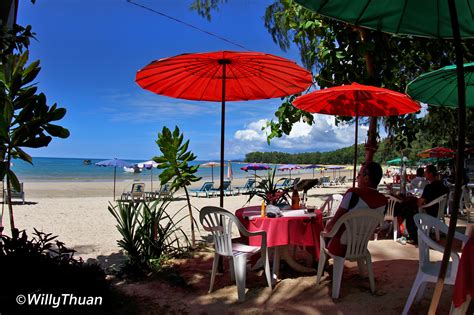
(433, 190)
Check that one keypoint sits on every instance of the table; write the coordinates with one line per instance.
(464, 285)
(294, 228)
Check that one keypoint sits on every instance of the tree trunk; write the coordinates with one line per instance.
(9, 201)
(371, 145)
(193, 237)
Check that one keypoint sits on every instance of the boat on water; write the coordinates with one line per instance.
(133, 169)
(86, 162)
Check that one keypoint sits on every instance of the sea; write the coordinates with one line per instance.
(73, 169)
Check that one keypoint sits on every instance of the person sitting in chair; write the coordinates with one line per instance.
(419, 182)
(362, 197)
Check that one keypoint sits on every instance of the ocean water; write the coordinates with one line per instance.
(73, 169)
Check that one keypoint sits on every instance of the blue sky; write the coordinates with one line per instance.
(91, 50)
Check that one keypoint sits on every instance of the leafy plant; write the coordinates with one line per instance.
(269, 191)
(26, 120)
(148, 232)
(174, 163)
(44, 265)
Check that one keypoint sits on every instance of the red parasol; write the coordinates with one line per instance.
(224, 76)
(356, 100)
(438, 152)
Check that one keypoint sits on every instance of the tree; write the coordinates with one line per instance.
(342, 54)
(174, 163)
(26, 118)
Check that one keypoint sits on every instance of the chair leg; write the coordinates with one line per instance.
(395, 228)
(370, 271)
(321, 262)
(437, 234)
(214, 271)
(414, 290)
(240, 266)
(268, 274)
(421, 290)
(337, 276)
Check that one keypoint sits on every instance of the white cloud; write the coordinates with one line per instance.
(323, 135)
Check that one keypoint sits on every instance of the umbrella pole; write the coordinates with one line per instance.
(212, 174)
(460, 156)
(355, 148)
(151, 178)
(115, 176)
(223, 62)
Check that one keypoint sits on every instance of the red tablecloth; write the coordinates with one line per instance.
(301, 231)
(464, 284)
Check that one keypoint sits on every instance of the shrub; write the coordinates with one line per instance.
(149, 234)
(44, 265)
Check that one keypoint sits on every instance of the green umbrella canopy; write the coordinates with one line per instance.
(426, 18)
(398, 161)
(440, 87)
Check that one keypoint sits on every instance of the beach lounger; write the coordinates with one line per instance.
(294, 182)
(15, 194)
(285, 184)
(228, 191)
(206, 190)
(248, 187)
(163, 192)
(325, 182)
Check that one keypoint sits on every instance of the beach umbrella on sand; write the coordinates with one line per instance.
(224, 76)
(289, 167)
(115, 163)
(314, 166)
(438, 152)
(356, 100)
(211, 165)
(230, 173)
(451, 19)
(255, 167)
(149, 165)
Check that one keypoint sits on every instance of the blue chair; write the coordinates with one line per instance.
(207, 190)
(286, 183)
(248, 187)
(228, 191)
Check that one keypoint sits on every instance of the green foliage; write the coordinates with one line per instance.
(174, 163)
(26, 120)
(148, 233)
(44, 265)
(268, 190)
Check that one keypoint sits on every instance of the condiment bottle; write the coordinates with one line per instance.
(295, 200)
(262, 211)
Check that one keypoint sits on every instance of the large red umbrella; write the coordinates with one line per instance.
(224, 76)
(356, 100)
(438, 152)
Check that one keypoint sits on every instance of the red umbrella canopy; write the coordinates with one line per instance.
(357, 100)
(248, 76)
(438, 152)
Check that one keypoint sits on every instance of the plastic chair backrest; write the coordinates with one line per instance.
(425, 223)
(392, 202)
(360, 225)
(336, 202)
(441, 201)
(220, 222)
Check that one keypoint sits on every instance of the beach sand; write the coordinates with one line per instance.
(77, 213)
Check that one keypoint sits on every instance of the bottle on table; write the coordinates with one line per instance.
(262, 210)
(295, 200)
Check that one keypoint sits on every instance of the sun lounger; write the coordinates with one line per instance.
(248, 187)
(285, 183)
(228, 191)
(206, 190)
(15, 194)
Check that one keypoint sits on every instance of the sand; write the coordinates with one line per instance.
(77, 213)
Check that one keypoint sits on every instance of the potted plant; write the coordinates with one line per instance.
(269, 191)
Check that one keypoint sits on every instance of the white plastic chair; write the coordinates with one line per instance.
(428, 271)
(220, 222)
(463, 203)
(330, 206)
(389, 215)
(360, 226)
(441, 201)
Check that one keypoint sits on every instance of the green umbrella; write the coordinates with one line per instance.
(426, 18)
(439, 87)
(396, 161)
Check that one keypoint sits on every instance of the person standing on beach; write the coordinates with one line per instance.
(364, 196)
